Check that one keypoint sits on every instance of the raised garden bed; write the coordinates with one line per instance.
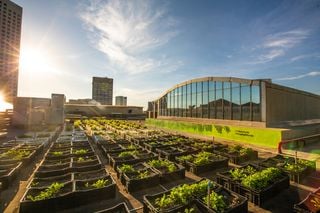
(238, 154)
(126, 168)
(141, 180)
(167, 170)
(203, 162)
(257, 186)
(296, 171)
(90, 174)
(8, 173)
(171, 153)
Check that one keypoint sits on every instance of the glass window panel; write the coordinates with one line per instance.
(236, 113)
(205, 98)
(226, 101)
(245, 102)
(256, 105)
(189, 105)
(218, 101)
(199, 100)
(184, 101)
(194, 99)
(212, 113)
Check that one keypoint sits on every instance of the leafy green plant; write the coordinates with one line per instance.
(163, 163)
(80, 159)
(143, 174)
(15, 154)
(127, 168)
(246, 152)
(182, 194)
(57, 153)
(294, 167)
(100, 183)
(216, 202)
(261, 179)
(238, 174)
(127, 154)
(81, 151)
(49, 192)
(185, 158)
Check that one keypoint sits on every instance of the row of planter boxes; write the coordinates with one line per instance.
(297, 171)
(66, 179)
(188, 200)
(146, 176)
(255, 196)
(14, 156)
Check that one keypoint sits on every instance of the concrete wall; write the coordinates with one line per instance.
(287, 104)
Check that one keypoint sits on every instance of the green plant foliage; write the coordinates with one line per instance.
(294, 167)
(57, 153)
(185, 158)
(127, 168)
(262, 179)
(49, 192)
(80, 159)
(238, 174)
(81, 151)
(143, 174)
(216, 202)
(100, 183)
(163, 163)
(15, 154)
(182, 194)
(127, 154)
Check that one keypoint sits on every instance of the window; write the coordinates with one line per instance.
(205, 97)
(226, 100)
(236, 113)
(194, 99)
(199, 100)
(189, 106)
(212, 99)
(219, 100)
(245, 102)
(256, 105)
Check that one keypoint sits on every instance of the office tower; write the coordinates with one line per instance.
(102, 90)
(10, 35)
(121, 101)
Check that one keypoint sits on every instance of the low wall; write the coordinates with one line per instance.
(265, 137)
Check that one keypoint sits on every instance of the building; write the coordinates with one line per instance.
(10, 35)
(253, 111)
(29, 111)
(111, 112)
(83, 101)
(121, 101)
(102, 90)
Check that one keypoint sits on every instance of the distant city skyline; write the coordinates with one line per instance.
(148, 46)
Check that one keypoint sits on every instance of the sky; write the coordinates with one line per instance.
(148, 46)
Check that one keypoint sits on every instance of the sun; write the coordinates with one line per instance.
(3, 104)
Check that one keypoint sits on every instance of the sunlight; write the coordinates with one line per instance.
(3, 104)
(35, 61)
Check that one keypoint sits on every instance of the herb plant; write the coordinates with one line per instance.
(49, 192)
(216, 202)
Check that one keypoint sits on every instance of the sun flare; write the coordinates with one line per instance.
(3, 104)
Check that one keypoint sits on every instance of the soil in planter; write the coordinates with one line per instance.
(34, 193)
(94, 184)
(45, 182)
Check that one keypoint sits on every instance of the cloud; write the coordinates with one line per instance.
(128, 31)
(276, 45)
(300, 57)
(310, 74)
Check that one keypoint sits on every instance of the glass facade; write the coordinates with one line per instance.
(213, 99)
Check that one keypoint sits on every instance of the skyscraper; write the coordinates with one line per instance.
(121, 101)
(10, 35)
(102, 90)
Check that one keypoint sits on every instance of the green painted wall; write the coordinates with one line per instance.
(258, 136)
